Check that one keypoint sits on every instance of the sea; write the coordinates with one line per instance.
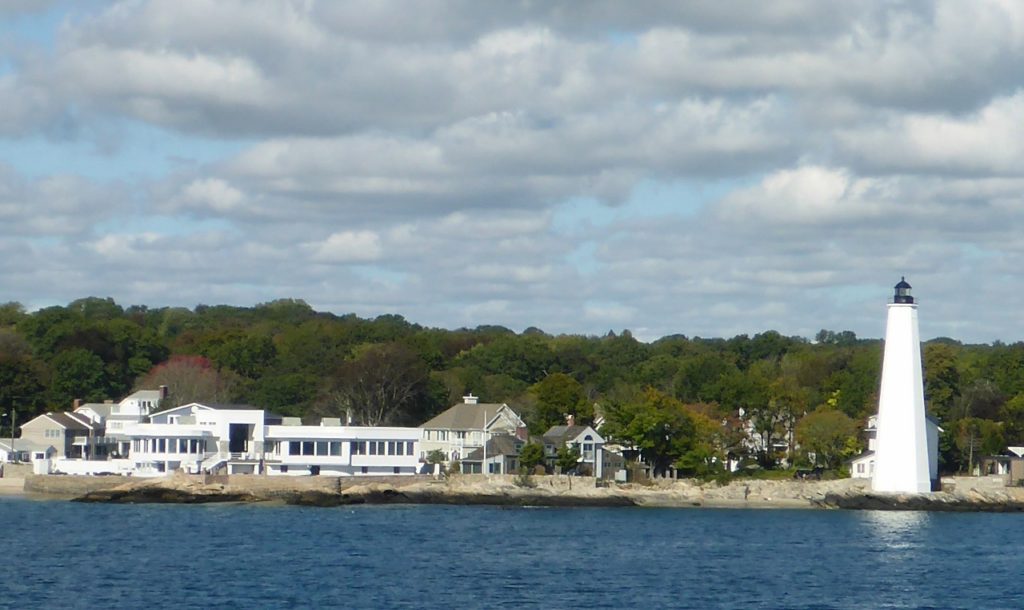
(65, 555)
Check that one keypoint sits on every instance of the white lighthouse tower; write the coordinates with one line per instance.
(901, 450)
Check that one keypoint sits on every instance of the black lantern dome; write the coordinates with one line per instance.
(903, 292)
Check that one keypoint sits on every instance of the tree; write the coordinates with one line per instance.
(568, 458)
(558, 395)
(655, 424)
(379, 386)
(190, 379)
(826, 432)
(530, 456)
(77, 373)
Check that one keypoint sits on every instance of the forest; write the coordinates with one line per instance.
(684, 402)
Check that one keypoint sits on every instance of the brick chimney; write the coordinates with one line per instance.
(163, 392)
(570, 420)
(76, 403)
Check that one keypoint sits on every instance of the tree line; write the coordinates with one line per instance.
(676, 400)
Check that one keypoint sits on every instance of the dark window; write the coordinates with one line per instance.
(398, 470)
(365, 470)
(321, 447)
(314, 470)
(284, 468)
(294, 448)
(307, 447)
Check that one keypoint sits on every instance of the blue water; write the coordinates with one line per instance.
(253, 556)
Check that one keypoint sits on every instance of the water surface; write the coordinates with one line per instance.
(258, 556)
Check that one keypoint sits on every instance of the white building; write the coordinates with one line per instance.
(333, 449)
(863, 466)
(241, 439)
(902, 452)
(113, 417)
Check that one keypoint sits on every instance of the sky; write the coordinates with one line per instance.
(705, 169)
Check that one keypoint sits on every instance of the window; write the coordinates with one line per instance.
(321, 447)
(307, 447)
(409, 448)
(391, 447)
(373, 447)
(294, 448)
(335, 448)
(461, 434)
(161, 446)
(357, 447)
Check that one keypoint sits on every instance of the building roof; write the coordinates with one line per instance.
(560, 434)
(99, 408)
(70, 421)
(464, 416)
(499, 444)
(21, 444)
(154, 395)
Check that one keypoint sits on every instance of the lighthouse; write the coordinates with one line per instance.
(901, 452)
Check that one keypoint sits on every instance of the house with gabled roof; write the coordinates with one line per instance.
(501, 456)
(467, 426)
(584, 439)
(115, 416)
(73, 435)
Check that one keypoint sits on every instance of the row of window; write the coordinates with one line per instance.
(52, 433)
(382, 447)
(314, 448)
(443, 435)
(169, 445)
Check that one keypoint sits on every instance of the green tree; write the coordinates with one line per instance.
(655, 424)
(827, 433)
(558, 395)
(77, 373)
(568, 458)
(530, 456)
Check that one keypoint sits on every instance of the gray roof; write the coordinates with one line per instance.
(499, 444)
(560, 434)
(20, 444)
(464, 416)
(71, 421)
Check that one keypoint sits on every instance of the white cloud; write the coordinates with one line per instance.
(348, 246)
(414, 158)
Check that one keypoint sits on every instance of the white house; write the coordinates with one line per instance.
(467, 426)
(333, 449)
(863, 466)
(241, 439)
(132, 409)
(199, 438)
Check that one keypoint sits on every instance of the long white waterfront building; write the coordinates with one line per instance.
(241, 439)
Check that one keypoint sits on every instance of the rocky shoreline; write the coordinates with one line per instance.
(963, 494)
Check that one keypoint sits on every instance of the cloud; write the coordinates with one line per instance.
(347, 247)
(713, 168)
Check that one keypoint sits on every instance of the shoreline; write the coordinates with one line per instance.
(961, 494)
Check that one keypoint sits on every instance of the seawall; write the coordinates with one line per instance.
(960, 494)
